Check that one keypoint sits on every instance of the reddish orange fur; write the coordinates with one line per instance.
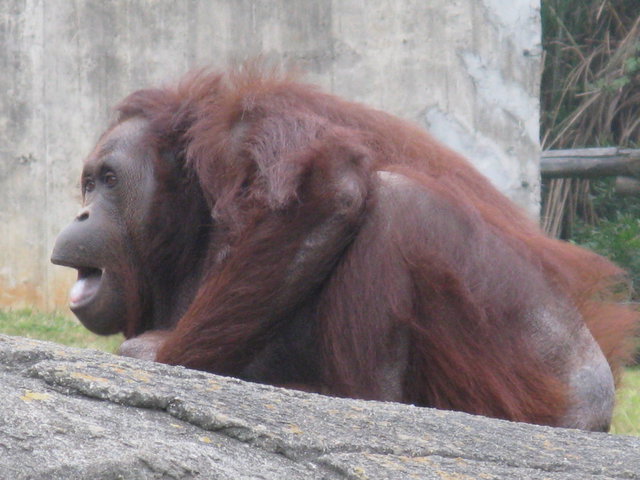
(458, 349)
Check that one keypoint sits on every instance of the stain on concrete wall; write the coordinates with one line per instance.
(466, 69)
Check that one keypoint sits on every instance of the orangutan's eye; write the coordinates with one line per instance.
(89, 185)
(110, 179)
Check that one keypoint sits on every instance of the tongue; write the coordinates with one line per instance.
(84, 289)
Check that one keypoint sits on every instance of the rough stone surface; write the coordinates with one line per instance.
(78, 414)
(467, 69)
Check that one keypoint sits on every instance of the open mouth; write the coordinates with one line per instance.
(86, 287)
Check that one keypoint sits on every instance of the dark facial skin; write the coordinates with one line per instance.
(116, 186)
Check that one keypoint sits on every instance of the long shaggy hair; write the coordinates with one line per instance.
(247, 142)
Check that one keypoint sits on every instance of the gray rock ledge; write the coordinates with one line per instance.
(82, 414)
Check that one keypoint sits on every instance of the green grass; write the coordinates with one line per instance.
(63, 329)
(626, 416)
(54, 327)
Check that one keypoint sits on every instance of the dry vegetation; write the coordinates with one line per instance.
(590, 92)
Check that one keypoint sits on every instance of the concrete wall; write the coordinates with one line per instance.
(466, 69)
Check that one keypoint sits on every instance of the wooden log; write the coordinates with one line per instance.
(590, 162)
(629, 186)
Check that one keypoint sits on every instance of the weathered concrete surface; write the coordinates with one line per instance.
(78, 414)
(466, 69)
